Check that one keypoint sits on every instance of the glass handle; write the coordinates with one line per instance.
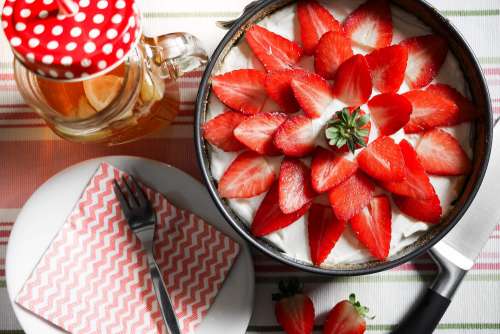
(174, 54)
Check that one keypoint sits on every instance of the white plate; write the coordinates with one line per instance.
(46, 210)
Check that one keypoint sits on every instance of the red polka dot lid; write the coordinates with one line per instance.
(66, 39)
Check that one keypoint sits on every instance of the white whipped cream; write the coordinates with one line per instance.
(293, 239)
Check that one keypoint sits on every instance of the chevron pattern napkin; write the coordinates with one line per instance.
(94, 276)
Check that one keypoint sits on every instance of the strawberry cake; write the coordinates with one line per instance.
(340, 130)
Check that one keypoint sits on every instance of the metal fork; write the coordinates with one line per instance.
(141, 217)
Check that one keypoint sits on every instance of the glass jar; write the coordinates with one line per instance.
(138, 96)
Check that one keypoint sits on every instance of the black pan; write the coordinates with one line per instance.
(482, 139)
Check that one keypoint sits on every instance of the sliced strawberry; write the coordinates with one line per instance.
(323, 230)
(241, 90)
(372, 226)
(294, 310)
(426, 55)
(441, 154)
(257, 132)
(314, 21)
(329, 170)
(269, 217)
(347, 317)
(383, 160)
(370, 25)
(390, 112)
(417, 183)
(351, 196)
(295, 186)
(275, 52)
(219, 131)
(426, 210)
(313, 93)
(295, 137)
(249, 175)
(345, 125)
(387, 67)
(353, 83)
(278, 87)
(333, 49)
(467, 111)
(429, 110)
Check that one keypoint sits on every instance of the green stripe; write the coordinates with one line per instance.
(11, 332)
(380, 278)
(489, 60)
(386, 327)
(3, 284)
(215, 14)
(471, 12)
(209, 14)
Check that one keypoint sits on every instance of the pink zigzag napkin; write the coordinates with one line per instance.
(94, 277)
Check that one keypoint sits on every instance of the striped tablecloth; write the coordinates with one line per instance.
(30, 154)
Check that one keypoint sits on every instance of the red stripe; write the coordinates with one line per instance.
(18, 105)
(4, 234)
(31, 163)
(491, 71)
(2, 272)
(8, 126)
(189, 84)
(19, 115)
(6, 224)
(6, 76)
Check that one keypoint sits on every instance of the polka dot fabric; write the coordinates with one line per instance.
(97, 37)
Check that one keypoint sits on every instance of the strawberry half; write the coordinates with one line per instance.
(257, 132)
(295, 137)
(353, 83)
(323, 231)
(295, 186)
(329, 170)
(241, 90)
(313, 93)
(314, 21)
(351, 196)
(417, 183)
(390, 112)
(249, 175)
(467, 111)
(294, 310)
(219, 131)
(269, 217)
(429, 110)
(347, 317)
(383, 160)
(275, 52)
(426, 55)
(278, 87)
(333, 49)
(370, 25)
(426, 210)
(387, 67)
(441, 154)
(372, 226)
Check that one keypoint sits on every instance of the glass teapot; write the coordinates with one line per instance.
(86, 68)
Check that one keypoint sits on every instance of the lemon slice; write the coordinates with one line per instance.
(84, 110)
(102, 90)
(150, 89)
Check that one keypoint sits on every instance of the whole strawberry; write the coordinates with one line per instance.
(294, 310)
(347, 317)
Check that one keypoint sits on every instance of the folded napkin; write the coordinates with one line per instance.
(94, 276)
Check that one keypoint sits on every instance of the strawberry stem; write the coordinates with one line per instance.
(347, 129)
(288, 288)
(362, 310)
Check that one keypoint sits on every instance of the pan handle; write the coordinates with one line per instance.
(228, 24)
(425, 317)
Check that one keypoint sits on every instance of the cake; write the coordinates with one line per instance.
(340, 130)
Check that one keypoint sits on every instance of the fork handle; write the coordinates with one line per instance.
(166, 307)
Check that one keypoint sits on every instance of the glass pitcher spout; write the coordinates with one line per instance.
(174, 54)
